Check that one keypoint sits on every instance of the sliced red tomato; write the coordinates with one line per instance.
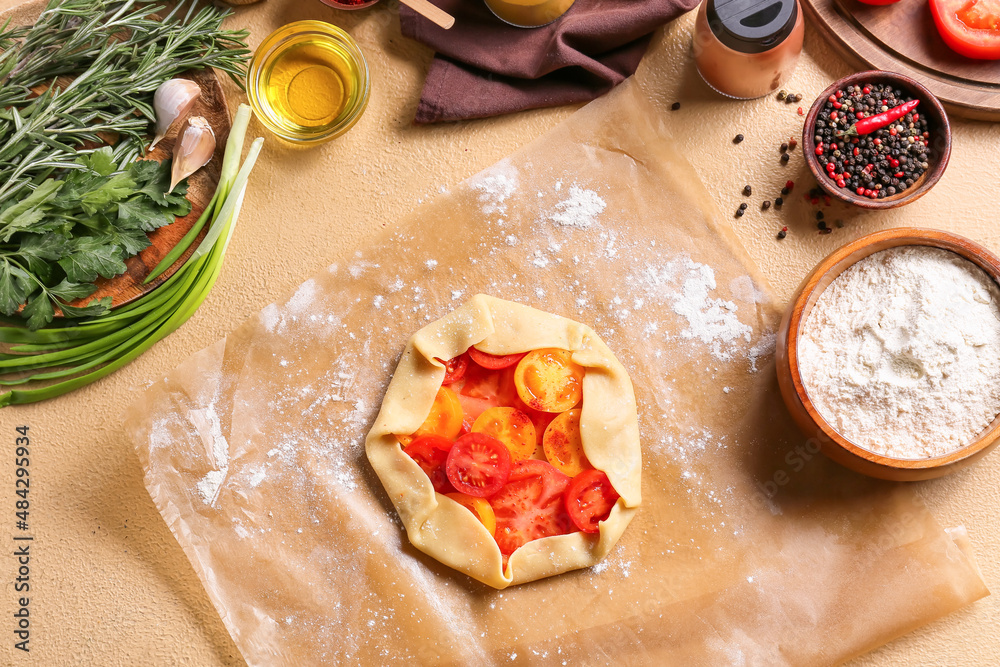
(969, 27)
(444, 419)
(480, 382)
(478, 506)
(454, 369)
(430, 452)
(530, 506)
(563, 445)
(472, 408)
(478, 465)
(589, 499)
(493, 361)
(549, 380)
(511, 427)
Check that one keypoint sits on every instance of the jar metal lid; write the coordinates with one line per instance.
(752, 26)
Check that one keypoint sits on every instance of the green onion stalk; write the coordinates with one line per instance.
(75, 356)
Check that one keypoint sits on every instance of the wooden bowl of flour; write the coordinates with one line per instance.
(793, 389)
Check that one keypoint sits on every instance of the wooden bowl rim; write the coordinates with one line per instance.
(926, 181)
(840, 260)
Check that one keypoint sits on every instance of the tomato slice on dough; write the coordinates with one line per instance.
(511, 427)
(494, 362)
(969, 27)
(479, 507)
(478, 465)
(430, 452)
(549, 381)
(563, 445)
(589, 499)
(454, 369)
(530, 505)
(444, 419)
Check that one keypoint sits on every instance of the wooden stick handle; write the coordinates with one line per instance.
(432, 12)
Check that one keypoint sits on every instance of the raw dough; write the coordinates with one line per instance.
(445, 530)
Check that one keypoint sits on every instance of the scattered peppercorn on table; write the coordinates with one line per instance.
(111, 586)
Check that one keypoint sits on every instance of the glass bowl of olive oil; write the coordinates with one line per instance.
(308, 82)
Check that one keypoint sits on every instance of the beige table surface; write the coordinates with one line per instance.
(109, 584)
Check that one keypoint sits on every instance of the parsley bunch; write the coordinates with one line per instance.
(73, 354)
(55, 242)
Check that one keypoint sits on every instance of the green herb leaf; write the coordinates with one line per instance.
(38, 311)
(36, 249)
(94, 308)
(101, 161)
(15, 285)
(130, 241)
(28, 212)
(114, 189)
(142, 213)
(156, 189)
(91, 258)
(68, 291)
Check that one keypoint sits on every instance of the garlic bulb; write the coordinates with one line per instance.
(173, 99)
(194, 148)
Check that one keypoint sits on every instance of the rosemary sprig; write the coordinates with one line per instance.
(117, 56)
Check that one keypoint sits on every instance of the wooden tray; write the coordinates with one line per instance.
(201, 186)
(902, 38)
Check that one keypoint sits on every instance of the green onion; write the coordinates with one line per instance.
(101, 345)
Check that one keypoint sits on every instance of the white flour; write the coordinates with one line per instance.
(580, 209)
(206, 421)
(901, 353)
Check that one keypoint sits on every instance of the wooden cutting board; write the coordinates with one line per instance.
(201, 186)
(902, 38)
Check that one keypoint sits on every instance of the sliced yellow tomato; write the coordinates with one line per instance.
(549, 381)
(511, 427)
(563, 445)
(480, 507)
(445, 418)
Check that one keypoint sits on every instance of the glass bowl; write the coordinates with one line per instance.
(308, 82)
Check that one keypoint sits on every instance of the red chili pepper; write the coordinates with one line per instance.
(879, 120)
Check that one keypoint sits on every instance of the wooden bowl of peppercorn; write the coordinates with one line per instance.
(890, 166)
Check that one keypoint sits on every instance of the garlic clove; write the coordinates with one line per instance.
(173, 99)
(194, 148)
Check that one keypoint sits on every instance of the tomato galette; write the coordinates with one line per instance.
(509, 444)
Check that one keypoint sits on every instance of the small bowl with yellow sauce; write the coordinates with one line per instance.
(308, 82)
(529, 13)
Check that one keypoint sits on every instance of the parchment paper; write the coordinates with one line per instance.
(749, 547)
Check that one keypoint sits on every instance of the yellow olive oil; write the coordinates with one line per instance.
(308, 82)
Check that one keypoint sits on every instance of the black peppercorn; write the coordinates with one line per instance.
(784, 157)
(743, 206)
(766, 204)
(675, 106)
(778, 201)
(738, 138)
(747, 190)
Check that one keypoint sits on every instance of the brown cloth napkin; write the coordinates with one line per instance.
(485, 67)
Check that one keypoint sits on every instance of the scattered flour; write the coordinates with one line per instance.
(901, 353)
(206, 421)
(495, 187)
(687, 286)
(579, 210)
